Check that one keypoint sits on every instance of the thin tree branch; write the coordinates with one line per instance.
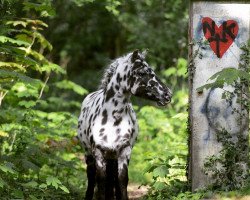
(41, 92)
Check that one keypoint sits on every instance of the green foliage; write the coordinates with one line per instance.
(69, 85)
(227, 76)
(99, 29)
(161, 148)
(36, 136)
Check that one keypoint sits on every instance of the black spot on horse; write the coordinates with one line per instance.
(104, 117)
(129, 74)
(97, 101)
(101, 134)
(80, 135)
(92, 95)
(117, 121)
(124, 77)
(91, 139)
(133, 131)
(96, 110)
(105, 138)
(88, 131)
(118, 78)
(118, 138)
(110, 94)
(113, 113)
(125, 100)
(126, 68)
(118, 130)
(102, 130)
(90, 119)
(117, 87)
(131, 81)
(116, 103)
(121, 111)
(83, 110)
(85, 132)
(94, 117)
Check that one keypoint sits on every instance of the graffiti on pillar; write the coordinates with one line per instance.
(221, 115)
(222, 37)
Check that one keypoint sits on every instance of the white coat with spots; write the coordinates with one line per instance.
(108, 127)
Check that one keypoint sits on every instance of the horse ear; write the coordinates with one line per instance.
(135, 55)
(144, 53)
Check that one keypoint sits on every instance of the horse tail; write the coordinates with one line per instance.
(111, 176)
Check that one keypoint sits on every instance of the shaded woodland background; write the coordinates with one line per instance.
(46, 70)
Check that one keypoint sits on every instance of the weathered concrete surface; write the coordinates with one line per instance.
(208, 112)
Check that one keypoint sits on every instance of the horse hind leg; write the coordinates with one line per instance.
(91, 174)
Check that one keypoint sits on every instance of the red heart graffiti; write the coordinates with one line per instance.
(220, 38)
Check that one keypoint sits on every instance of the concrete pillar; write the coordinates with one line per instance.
(209, 114)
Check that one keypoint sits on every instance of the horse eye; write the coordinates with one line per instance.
(137, 64)
(141, 73)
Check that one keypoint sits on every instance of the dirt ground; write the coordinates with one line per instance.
(137, 192)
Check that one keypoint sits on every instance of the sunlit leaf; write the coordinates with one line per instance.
(4, 39)
(181, 116)
(18, 194)
(227, 76)
(4, 134)
(161, 171)
(2, 183)
(182, 67)
(32, 184)
(17, 22)
(7, 168)
(69, 85)
(53, 67)
(26, 90)
(13, 65)
(32, 197)
(159, 185)
(64, 188)
(42, 186)
(24, 37)
(27, 104)
(33, 53)
(18, 76)
(41, 39)
(55, 182)
(170, 71)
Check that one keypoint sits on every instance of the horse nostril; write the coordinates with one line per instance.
(168, 94)
(168, 99)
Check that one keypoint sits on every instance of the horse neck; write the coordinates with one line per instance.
(116, 93)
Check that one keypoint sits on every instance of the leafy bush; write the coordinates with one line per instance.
(36, 133)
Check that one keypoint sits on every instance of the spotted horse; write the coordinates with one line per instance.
(108, 127)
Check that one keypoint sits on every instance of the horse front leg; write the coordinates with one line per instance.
(122, 179)
(100, 174)
(91, 174)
